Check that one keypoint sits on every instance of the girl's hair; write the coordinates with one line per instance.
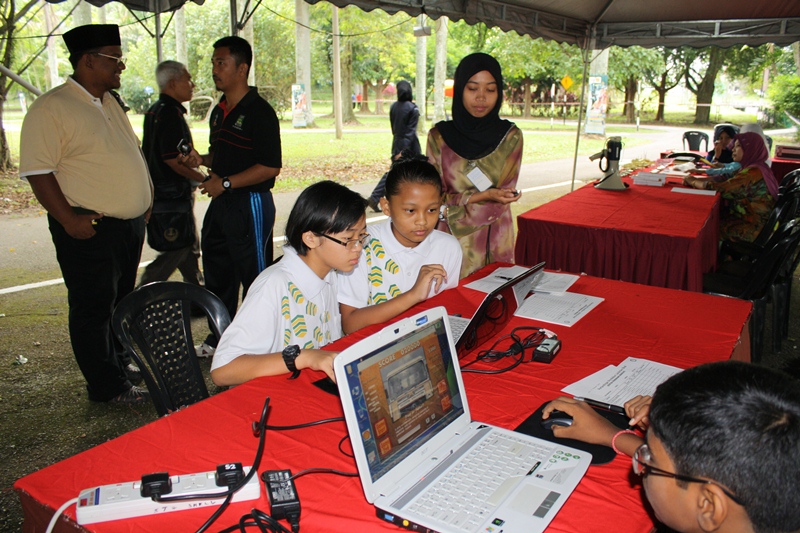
(411, 169)
(324, 207)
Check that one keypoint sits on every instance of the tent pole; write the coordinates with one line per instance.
(234, 18)
(159, 50)
(580, 112)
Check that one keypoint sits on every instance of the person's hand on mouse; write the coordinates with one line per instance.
(587, 425)
(638, 408)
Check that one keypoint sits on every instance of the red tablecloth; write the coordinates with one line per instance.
(675, 327)
(647, 235)
(781, 167)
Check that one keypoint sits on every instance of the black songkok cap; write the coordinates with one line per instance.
(83, 38)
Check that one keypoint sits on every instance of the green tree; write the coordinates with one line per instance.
(702, 67)
(665, 75)
(626, 66)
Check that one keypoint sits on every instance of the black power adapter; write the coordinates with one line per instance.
(283, 500)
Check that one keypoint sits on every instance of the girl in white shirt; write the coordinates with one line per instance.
(291, 308)
(406, 260)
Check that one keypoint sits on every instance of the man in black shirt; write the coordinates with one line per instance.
(164, 128)
(244, 159)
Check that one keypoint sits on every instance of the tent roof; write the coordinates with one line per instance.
(674, 23)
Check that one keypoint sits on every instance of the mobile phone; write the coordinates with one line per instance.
(185, 147)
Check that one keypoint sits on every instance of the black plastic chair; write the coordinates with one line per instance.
(153, 324)
(781, 295)
(693, 139)
(789, 181)
(755, 285)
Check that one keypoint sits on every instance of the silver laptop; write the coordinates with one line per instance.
(495, 311)
(422, 461)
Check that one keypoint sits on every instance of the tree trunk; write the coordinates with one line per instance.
(705, 90)
(440, 70)
(796, 53)
(631, 88)
(348, 115)
(421, 82)
(365, 97)
(380, 85)
(526, 84)
(662, 96)
(302, 55)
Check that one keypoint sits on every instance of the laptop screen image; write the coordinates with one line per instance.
(404, 392)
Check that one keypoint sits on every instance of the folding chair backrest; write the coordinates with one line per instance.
(153, 324)
(694, 138)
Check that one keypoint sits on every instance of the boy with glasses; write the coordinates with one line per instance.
(721, 450)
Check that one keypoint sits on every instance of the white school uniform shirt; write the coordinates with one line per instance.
(286, 304)
(387, 269)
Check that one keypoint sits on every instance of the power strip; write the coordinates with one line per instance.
(123, 500)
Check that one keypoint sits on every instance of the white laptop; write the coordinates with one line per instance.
(420, 454)
(495, 310)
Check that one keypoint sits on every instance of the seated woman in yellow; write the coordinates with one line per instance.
(749, 196)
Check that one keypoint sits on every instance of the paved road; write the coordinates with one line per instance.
(26, 248)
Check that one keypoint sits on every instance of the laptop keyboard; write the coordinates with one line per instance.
(473, 488)
(457, 326)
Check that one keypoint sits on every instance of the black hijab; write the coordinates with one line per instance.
(471, 137)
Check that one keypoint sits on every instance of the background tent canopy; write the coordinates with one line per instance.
(695, 23)
(150, 6)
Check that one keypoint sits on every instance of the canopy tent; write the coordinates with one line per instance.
(603, 23)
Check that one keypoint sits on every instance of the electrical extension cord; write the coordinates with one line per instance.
(123, 500)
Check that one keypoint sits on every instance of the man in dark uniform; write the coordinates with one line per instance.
(85, 166)
(244, 159)
(164, 128)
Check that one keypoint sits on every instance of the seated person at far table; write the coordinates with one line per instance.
(721, 157)
(291, 308)
(720, 452)
(749, 196)
(407, 260)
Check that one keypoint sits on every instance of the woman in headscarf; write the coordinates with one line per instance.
(478, 155)
(749, 196)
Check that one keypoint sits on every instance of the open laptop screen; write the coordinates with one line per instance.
(404, 393)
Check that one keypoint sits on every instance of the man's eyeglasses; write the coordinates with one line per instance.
(350, 244)
(120, 60)
(641, 467)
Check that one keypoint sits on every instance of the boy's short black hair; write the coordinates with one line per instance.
(325, 207)
(239, 48)
(411, 169)
(739, 425)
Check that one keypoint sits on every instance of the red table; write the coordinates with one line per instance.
(647, 235)
(675, 327)
(781, 167)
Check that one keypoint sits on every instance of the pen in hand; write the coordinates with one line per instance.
(601, 405)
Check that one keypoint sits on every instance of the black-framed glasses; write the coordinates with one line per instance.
(350, 244)
(642, 467)
(119, 59)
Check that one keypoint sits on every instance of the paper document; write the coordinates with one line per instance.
(564, 308)
(701, 192)
(496, 278)
(615, 385)
(554, 282)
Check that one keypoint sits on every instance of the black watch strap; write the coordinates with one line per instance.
(290, 353)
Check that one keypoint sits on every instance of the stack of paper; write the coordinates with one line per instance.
(615, 385)
(648, 178)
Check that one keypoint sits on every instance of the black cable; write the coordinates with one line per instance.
(305, 425)
(342, 449)
(517, 348)
(323, 471)
(216, 514)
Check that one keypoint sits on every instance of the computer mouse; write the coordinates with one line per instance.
(557, 418)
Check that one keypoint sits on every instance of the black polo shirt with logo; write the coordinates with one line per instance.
(248, 135)
(164, 128)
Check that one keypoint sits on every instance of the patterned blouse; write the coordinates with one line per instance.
(746, 205)
(486, 229)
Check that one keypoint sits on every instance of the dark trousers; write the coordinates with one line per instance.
(237, 244)
(186, 260)
(98, 273)
(380, 188)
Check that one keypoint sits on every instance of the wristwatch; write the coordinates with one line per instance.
(226, 183)
(290, 353)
